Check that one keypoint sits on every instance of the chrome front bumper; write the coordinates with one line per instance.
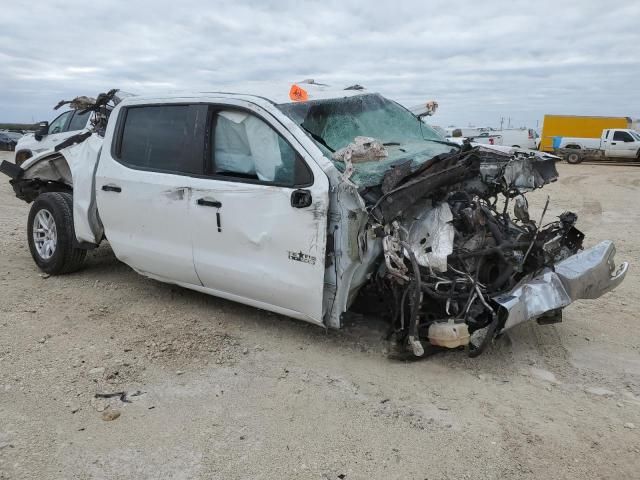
(588, 274)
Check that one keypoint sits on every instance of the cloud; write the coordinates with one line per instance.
(480, 60)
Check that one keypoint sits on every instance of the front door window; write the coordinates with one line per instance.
(247, 148)
(57, 126)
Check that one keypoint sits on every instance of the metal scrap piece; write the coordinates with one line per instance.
(587, 274)
(528, 173)
(78, 103)
(362, 149)
(447, 171)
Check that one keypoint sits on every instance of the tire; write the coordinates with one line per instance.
(22, 157)
(573, 158)
(51, 235)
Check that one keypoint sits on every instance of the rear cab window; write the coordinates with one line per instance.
(157, 137)
(79, 121)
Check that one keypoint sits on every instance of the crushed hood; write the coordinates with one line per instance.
(480, 170)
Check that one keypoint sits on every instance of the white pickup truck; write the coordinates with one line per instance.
(513, 137)
(614, 143)
(474, 135)
(51, 134)
(310, 202)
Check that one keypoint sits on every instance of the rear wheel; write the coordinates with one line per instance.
(51, 234)
(573, 158)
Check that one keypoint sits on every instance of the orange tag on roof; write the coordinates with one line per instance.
(298, 94)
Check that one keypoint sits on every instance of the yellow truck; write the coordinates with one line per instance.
(577, 126)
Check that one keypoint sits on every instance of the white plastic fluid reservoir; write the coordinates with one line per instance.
(448, 334)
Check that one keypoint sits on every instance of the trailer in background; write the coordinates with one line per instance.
(577, 126)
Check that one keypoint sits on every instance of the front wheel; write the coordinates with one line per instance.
(51, 234)
(22, 157)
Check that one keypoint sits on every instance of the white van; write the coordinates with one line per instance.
(518, 137)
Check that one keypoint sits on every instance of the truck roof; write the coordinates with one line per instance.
(277, 93)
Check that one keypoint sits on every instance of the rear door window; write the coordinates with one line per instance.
(159, 138)
(79, 121)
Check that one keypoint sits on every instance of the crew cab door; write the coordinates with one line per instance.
(142, 190)
(259, 215)
(621, 144)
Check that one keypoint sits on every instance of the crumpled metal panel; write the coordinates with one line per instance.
(431, 237)
(588, 274)
(533, 298)
(523, 173)
(591, 273)
(83, 161)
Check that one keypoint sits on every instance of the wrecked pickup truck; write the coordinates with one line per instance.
(311, 200)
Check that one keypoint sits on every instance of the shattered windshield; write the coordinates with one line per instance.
(335, 123)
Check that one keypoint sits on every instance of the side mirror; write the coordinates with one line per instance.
(43, 129)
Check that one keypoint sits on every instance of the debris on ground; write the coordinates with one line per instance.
(110, 415)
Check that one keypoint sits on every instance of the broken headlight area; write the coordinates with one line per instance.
(463, 257)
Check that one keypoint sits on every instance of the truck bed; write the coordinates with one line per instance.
(585, 143)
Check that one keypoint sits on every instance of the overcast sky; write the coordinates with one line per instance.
(479, 60)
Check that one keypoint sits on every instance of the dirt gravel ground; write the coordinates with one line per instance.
(215, 389)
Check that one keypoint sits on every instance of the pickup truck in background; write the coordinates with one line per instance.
(310, 202)
(459, 136)
(526, 138)
(517, 137)
(488, 138)
(51, 134)
(614, 143)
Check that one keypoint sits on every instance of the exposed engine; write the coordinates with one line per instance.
(456, 235)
